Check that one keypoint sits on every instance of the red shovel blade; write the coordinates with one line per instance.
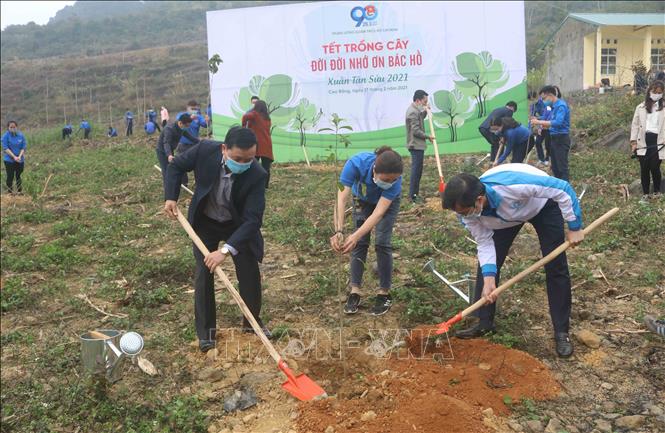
(301, 387)
(445, 326)
(442, 186)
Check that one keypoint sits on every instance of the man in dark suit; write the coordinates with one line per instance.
(228, 205)
(484, 128)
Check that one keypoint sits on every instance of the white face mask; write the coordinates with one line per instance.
(655, 96)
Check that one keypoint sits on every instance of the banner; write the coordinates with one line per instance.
(363, 62)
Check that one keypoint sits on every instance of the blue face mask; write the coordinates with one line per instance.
(382, 184)
(547, 103)
(237, 167)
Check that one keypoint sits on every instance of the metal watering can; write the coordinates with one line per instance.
(100, 353)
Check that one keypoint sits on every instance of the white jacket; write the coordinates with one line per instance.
(516, 193)
(639, 127)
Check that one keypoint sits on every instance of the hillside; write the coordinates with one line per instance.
(93, 57)
(103, 87)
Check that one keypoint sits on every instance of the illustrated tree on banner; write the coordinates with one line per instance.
(480, 77)
(306, 117)
(455, 108)
(279, 93)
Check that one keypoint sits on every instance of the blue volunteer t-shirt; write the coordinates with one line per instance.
(149, 128)
(357, 172)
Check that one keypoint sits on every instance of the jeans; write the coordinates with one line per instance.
(649, 164)
(543, 137)
(417, 157)
(492, 139)
(382, 244)
(549, 226)
(14, 169)
(559, 149)
(246, 264)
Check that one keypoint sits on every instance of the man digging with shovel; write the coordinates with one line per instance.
(494, 208)
(228, 206)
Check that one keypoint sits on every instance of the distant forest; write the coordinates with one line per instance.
(95, 28)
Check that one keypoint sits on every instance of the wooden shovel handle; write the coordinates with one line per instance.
(498, 153)
(97, 334)
(542, 262)
(234, 293)
(436, 147)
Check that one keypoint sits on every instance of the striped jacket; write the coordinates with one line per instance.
(516, 193)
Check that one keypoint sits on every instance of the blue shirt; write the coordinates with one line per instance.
(112, 132)
(15, 143)
(149, 128)
(152, 115)
(85, 125)
(358, 172)
(560, 118)
(514, 137)
(68, 127)
(197, 122)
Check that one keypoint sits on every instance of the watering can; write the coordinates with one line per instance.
(100, 353)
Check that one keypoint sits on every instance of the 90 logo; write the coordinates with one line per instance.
(360, 14)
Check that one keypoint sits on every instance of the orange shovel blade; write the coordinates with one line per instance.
(301, 387)
(445, 326)
(442, 186)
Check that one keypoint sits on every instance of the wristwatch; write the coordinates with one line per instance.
(224, 250)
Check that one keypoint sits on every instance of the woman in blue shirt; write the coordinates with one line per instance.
(375, 182)
(516, 137)
(13, 149)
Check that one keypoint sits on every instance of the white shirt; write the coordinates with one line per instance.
(516, 193)
(652, 120)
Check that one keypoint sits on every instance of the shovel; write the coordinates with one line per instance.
(301, 387)
(445, 326)
(181, 185)
(442, 184)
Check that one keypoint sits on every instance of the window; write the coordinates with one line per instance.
(657, 59)
(608, 61)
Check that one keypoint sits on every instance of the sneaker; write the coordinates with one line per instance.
(416, 199)
(352, 303)
(546, 163)
(655, 326)
(564, 347)
(206, 345)
(475, 331)
(644, 199)
(381, 305)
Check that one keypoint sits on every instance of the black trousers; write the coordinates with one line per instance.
(246, 264)
(542, 143)
(265, 163)
(86, 133)
(154, 122)
(492, 139)
(163, 163)
(558, 151)
(650, 164)
(130, 128)
(14, 169)
(549, 226)
(66, 133)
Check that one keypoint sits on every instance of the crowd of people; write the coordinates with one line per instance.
(231, 178)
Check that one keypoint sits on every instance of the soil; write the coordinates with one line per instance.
(428, 394)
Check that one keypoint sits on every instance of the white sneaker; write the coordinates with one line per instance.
(644, 199)
(546, 163)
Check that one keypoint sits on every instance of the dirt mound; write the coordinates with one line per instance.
(430, 394)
